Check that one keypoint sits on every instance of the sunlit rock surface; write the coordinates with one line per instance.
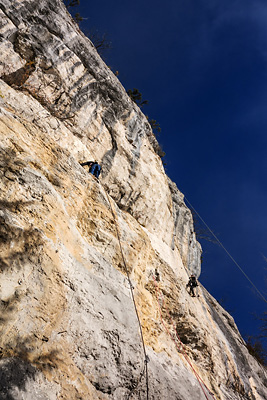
(68, 324)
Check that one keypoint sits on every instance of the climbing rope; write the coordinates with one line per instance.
(227, 252)
(200, 381)
(132, 294)
(137, 383)
(146, 359)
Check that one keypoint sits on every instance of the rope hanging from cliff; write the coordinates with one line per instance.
(200, 381)
(132, 294)
(227, 252)
(145, 369)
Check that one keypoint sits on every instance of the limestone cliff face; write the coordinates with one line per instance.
(68, 324)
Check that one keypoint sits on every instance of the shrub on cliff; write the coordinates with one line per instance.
(72, 3)
(256, 349)
(154, 125)
(136, 96)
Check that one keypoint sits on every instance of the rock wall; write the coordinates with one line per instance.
(69, 329)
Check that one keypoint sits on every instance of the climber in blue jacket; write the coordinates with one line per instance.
(94, 167)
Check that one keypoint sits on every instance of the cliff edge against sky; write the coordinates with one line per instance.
(69, 329)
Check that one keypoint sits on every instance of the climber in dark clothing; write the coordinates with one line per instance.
(94, 168)
(192, 283)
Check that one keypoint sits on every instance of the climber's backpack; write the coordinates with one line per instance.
(194, 282)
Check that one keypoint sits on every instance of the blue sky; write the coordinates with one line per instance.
(201, 64)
